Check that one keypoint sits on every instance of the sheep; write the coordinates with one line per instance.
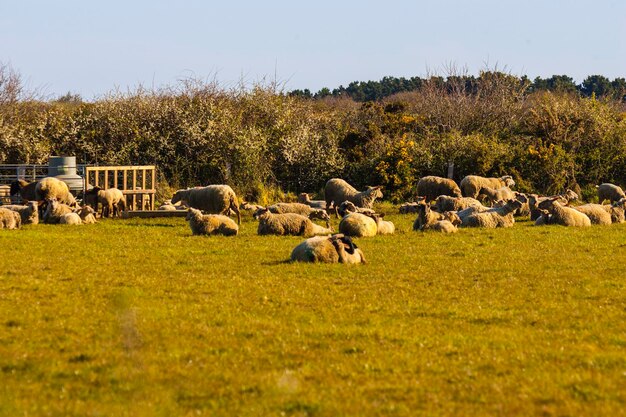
(544, 218)
(337, 248)
(305, 198)
(425, 216)
(471, 184)
(250, 207)
(71, 219)
(500, 217)
(611, 192)
(337, 191)
(446, 203)
(50, 187)
(29, 213)
(492, 195)
(349, 207)
(25, 189)
(87, 214)
(10, 219)
(214, 199)
(596, 212)
(617, 211)
(167, 207)
(449, 225)
(411, 206)
(54, 211)
(287, 224)
(302, 209)
(534, 200)
(358, 225)
(565, 216)
(432, 187)
(112, 200)
(525, 209)
(383, 227)
(211, 224)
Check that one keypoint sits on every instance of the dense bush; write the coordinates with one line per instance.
(200, 134)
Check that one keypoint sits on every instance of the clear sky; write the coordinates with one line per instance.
(91, 47)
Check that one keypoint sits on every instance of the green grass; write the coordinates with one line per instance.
(140, 318)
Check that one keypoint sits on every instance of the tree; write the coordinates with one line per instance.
(598, 85)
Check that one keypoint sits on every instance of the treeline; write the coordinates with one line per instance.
(260, 138)
(361, 91)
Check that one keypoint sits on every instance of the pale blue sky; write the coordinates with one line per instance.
(92, 47)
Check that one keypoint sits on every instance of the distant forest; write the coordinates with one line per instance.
(362, 91)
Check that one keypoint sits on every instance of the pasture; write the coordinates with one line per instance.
(140, 318)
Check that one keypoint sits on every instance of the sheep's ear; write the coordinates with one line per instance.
(381, 215)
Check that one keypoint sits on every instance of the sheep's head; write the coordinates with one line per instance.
(319, 214)
(260, 212)
(521, 197)
(508, 181)
(303, 198)
(375, 192)
(548, 204)
(570, 195)
(193, 213)
(178, 196)
(452, 217)
(16, 186)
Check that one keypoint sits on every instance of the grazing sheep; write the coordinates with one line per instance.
(597, 213)
(533, 202)
(287, 224)
(447, 203)
(112, 200)
(29, 212)
(565, 216)
(305, 198)
(358, 225)
(493, 195)
(25, 189)
(211, 224)
(55, 210)
(51, 188)
(302, 209)
(349, 207)
(87, 214)
(500, 217)
(214, 199)
(432, 187)
(337, 248)
(471, 184)
(71, 219)
(611, 192)
(10, 219)
(426, 216)
(338, 191)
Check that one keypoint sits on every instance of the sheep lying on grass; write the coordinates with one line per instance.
(29, 212)
(338, 191)
(112, 200)
(349, 207)
(86, 214)
(617, 211)
(55, 210)
(565, 216)
(25, 189)
(411, 206)
(611, 192)
(302, 209)
(71, 219)
(249, 207)
(10, 219)
(211, 224)
(287, 224)
(305, 198)
(533, 201)
(383, 227)
(337, 248)
(427, 219)
(358, 225)
(51, 188)
(432, 187)
(214, 199)
(597, 213)
(501, 217)
(471, 184)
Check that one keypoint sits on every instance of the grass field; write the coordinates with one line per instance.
(139, 318)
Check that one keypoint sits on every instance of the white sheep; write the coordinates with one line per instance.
(71, 219)
(338, 191)
(611, 192)
(10, 219)
(492, 195)
(302, 209)
(432, 187)
(29, 212)
(55, 210)
(305, 198)
(337, 248)
(597, 213)
(358, 225)
(349, 207)
(214, 199)
(500, 217)
(447, 203)
(112, 200)
(287, 224)
(565, 216)
(52, 188)
(471, 184)
(211, 224)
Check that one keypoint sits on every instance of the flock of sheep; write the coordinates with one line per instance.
(442, 206)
